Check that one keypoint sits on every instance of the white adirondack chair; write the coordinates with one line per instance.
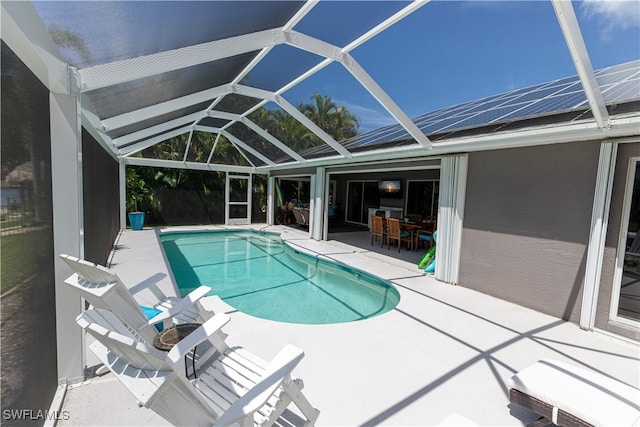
(233, 387)
(102, 288)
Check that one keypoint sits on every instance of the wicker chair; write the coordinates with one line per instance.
(568, 395)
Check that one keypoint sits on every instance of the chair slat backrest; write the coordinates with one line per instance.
(415, 217)
(102, 288)
(393, 228)
(106, 328)
(376, 225)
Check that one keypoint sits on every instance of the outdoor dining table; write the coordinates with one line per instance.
(412, 228)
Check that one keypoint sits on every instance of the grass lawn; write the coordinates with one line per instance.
(20, 257)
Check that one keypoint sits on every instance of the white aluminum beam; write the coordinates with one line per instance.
(134, 148)
(23, 31)
(186, 150)
(293, 111)
(398, 16)
(213, 149)
(157, 129)
(244, 146)
(91, 123)
(385, 100)
(577, 48)
(156, 110)
(117, 72)
(556, 134)
(220, 132)
(257, 129)
(357, 42)
(310, 44)
(175, 164)
(149, 112)
(301, 13)
(234, 140)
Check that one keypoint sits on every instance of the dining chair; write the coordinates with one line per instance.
(425, 235)
(377, 229)
(415, 217)
(395, 233)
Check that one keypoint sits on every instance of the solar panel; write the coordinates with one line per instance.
(624, 91)
(619, 83)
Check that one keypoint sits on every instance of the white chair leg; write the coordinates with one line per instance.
(294, 389)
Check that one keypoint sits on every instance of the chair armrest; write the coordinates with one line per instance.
(203, 333)
(277, 371)
(186, 302)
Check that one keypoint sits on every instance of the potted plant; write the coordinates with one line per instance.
(136, 192)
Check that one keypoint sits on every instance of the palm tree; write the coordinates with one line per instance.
(336, 121)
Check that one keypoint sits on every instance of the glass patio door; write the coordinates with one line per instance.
(238, 206)
(362, 196)
(625, 304)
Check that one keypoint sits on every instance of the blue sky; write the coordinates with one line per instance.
(449, 52)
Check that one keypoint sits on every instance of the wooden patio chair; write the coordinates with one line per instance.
(395, 233)
(102, 288)
(415, 217)
(377, 229)
(425, 235)
(566, 395)
(230, 386)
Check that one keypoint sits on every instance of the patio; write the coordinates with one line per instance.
(444, 349)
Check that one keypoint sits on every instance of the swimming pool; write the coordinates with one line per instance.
(258, 274)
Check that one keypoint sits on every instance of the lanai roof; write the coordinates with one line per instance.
(150, 71)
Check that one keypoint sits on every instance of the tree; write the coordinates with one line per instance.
(336, 121)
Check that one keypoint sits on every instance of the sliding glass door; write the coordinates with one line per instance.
(625, 304)
(422, 197)
(361, 195)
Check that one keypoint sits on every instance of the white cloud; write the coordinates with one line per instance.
(612, 14)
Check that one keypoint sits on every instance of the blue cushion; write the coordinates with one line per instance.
(151, 313)
(424, 236)
(405, 234)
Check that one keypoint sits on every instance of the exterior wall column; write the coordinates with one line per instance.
(317, 203)
(598, 233)
(68, 227)
(271, 181)
(453, 184)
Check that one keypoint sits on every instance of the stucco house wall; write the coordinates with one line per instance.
(526, 224)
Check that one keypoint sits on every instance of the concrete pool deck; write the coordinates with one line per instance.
(443, 350)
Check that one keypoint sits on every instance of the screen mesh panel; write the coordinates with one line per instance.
(106, 29)
(255, 141)
(179, 115)
(28, 364)
(126, 97)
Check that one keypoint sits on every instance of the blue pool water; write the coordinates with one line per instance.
(258, 274)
